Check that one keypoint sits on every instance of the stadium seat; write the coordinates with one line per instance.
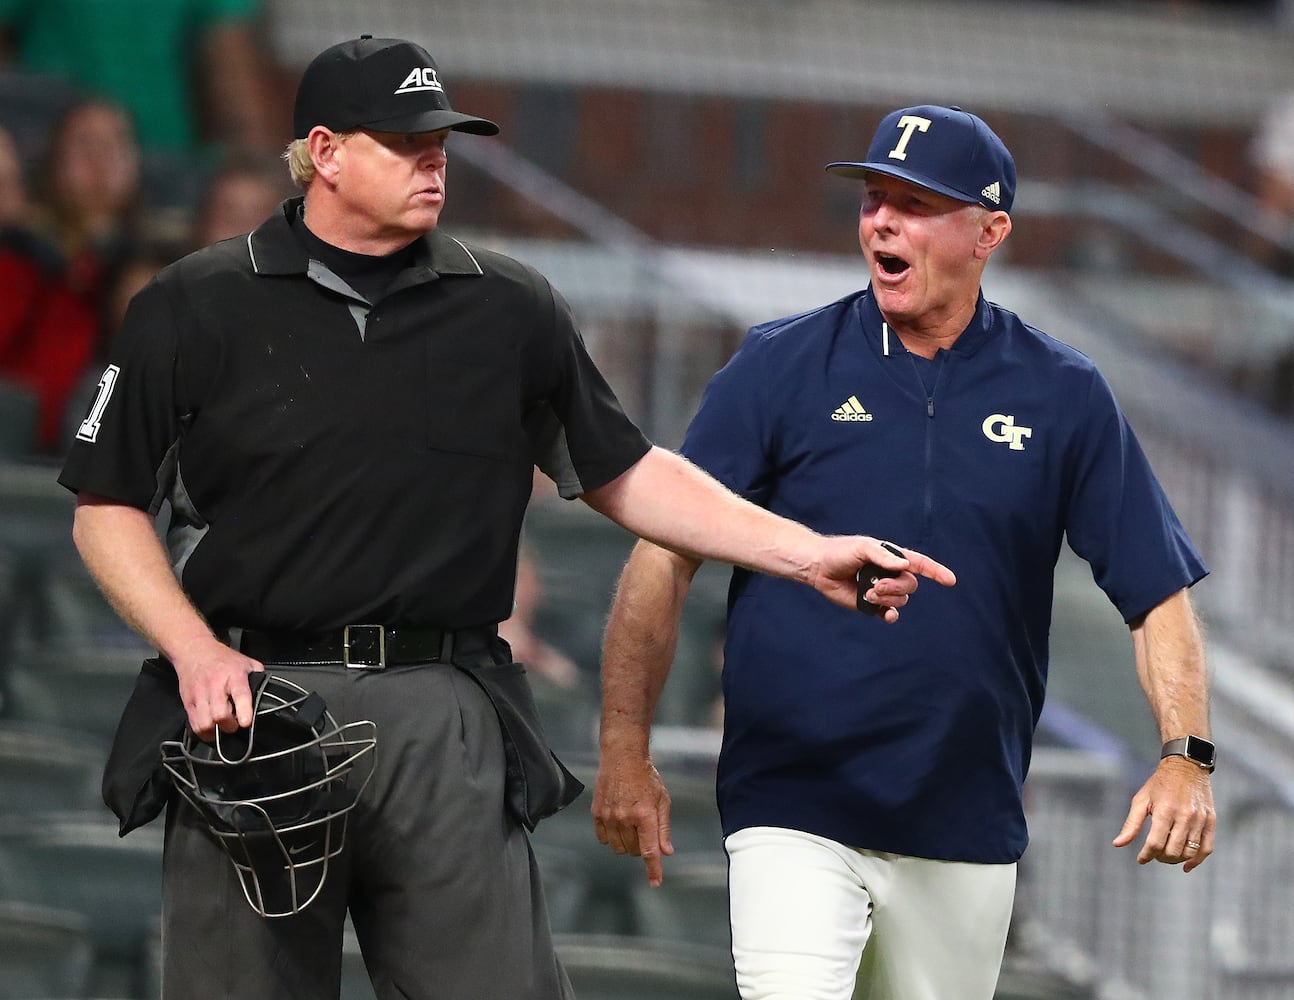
(590, 884)
(592, 888)
(76, 687)
(569, 716)
(74, 610)
(589, 887)
(569, 888)
(694, 812)
(18, 412)
(57, 599)
(35, 512)
(44, 952)
(45, 769)
(691, 905)
(694, 684)
(581, 555)
(9, 608)
(602, 967)
(78, 863)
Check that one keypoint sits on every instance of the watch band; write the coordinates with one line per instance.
(1196, 749)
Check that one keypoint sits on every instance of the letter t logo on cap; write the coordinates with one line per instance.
(909, 124)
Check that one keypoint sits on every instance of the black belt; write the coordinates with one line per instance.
(363, 647)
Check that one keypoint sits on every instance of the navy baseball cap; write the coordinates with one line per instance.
(946, 150)
(383, 84)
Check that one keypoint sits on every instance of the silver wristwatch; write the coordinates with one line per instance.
(1196, 749)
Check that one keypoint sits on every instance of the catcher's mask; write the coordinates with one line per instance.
(276, 795)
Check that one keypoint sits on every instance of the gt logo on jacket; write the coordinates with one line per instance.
(1002, 427)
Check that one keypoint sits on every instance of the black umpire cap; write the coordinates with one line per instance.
(383, 84)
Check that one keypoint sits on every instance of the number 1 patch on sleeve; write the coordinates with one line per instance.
(89, 429)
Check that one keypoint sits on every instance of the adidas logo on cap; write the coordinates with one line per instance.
(993, 193)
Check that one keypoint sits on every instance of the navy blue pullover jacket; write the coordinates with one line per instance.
(915, 738)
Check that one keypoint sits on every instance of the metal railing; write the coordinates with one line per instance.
(1219, 933)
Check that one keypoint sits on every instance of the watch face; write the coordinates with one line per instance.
(1200, 750)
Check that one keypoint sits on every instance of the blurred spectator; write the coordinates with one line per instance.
(187, 70)
(87, 201)
(133, 274)
(130, 275)
(542, 660)
(47, 332)
(13, 187)
(239, 197)
(1272, 154)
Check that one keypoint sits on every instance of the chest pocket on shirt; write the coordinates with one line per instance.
(473, 406)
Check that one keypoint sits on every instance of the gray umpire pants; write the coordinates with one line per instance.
(439, 879)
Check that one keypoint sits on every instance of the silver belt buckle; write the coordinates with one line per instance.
(346, 634)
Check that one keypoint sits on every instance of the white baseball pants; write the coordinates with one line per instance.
(806, 910)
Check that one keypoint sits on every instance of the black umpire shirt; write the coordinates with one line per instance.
(333, 461)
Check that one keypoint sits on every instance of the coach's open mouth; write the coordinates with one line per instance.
(891, 264)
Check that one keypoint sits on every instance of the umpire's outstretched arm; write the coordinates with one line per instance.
(667, 500)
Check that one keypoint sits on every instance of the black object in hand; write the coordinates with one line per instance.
(868, 574)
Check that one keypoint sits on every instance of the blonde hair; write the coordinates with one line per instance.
(301, 167)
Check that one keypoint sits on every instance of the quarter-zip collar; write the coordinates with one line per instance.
(978, 332)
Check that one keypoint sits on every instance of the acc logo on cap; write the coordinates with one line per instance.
(420, 78)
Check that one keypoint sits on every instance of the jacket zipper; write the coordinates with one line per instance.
(928, 505)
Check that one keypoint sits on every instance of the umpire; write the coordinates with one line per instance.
(344, 409)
